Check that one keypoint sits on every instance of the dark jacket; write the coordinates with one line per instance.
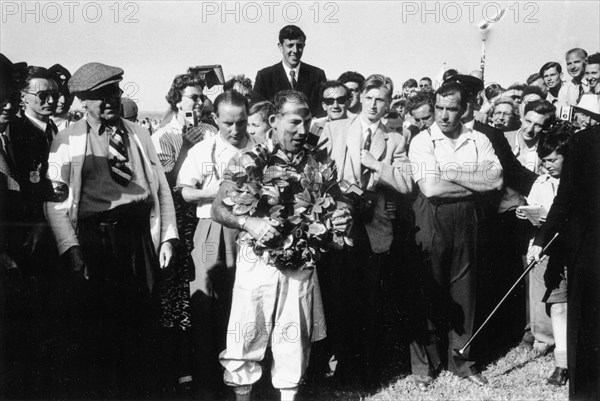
(273, 79)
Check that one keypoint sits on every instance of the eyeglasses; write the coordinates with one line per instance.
(195, 97)
(44, 95)
(330, 100)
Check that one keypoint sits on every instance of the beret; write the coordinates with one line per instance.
(93, 76)
(60, 74)
(473, 84)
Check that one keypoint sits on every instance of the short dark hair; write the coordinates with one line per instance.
(516, 86)
(264, 108)
(453, 88)
(556, 139)
(426, 79)
(541, 107)
(288, 96)
(410, 83)
(419, 99)
(180, 82)
(576, 50)
(331, 84)
(593, 59)
(548, 65)
(33, 72)
(352, 76)
(291, 32)
(232, 97)
(533, 90)
(533, 77)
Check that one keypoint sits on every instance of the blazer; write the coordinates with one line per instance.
(67, 155)
(273, 79)
(30, 148)
(342, 140)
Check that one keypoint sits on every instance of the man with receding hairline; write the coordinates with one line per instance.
(570, 94)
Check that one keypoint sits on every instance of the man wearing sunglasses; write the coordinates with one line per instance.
(334, 100)
(114, 231)
(32, 135)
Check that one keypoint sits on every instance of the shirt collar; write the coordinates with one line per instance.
(466, 133)
(38, 123)
(222, 145)
(288, 69)
(96, 125)
(366, 124)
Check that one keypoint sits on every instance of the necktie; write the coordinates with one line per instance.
(293, 79)
(51, 130)
(580, 87)
(366, 173)
(117, 157)
(7, 163)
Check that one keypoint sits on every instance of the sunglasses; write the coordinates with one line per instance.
(195, 97)
(44, 95)
(105, 97)
(331, 100)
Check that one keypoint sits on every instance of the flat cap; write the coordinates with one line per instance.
(473, 84)
(93, 76)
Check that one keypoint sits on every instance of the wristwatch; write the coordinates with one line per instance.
(242, 222)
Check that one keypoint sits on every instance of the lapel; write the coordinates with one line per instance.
(353, 144)
(280, 78)
(379, 143)
(77, 149)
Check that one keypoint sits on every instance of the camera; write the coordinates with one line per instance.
(191, 117)
(566, 113)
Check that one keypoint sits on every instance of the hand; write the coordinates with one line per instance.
(368, 161)
(542, 219)
(165, 254)
(342, 220)
(520, 215)
(6, 262)
(76, 263)
(191, 135)
(534, 253)
(261, 230)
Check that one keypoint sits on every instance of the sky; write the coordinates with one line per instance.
(155, 40)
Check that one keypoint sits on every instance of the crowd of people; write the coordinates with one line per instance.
(130, 255)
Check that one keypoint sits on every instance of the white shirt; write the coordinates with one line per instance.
(287, 72)
(528, 157)
(543, 192)
(432, 151)
(205, 166)
(366, 125)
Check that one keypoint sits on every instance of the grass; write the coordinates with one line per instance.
(518, 376)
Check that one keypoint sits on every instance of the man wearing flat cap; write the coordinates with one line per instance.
(115, 229)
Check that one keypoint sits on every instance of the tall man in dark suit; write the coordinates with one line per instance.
(371, 156)
(290, 73)
(575, 214)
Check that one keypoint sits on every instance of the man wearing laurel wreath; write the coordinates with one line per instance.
(272, 305)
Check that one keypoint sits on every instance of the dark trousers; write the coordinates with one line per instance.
(450, 235)
(120, 319)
